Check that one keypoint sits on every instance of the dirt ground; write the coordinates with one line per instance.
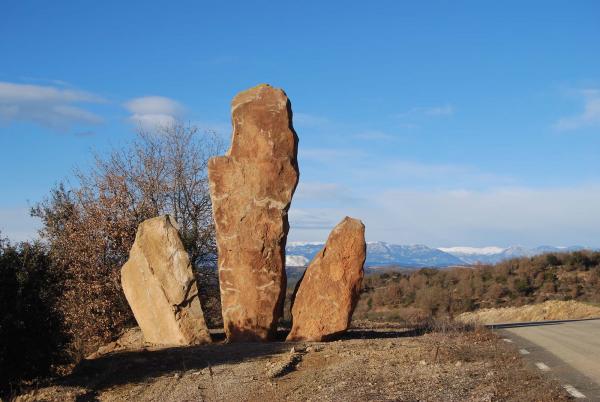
(382, 363)
(549, 310)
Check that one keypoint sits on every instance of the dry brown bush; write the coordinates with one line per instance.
(91, 226)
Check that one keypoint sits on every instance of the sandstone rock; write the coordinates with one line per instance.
(251, 189)
(131, 339)
(160, 286)
(325, 297)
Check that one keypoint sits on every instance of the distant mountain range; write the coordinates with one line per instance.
(417, 256)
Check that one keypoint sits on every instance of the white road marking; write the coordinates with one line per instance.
(542, 366)
(523, 351)
(573, 391)
(507, 340)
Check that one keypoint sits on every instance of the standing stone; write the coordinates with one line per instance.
(251, 189)
(160, 286)
(325, 297)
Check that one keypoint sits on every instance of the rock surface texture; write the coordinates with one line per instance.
(160, 286)
(329, 290)
(251, 189)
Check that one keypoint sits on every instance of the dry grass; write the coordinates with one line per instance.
(550, 310)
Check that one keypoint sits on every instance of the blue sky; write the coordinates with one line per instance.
(436, 122)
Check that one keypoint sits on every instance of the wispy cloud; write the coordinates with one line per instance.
(313, 190)
(40, 80)
(374, 135)
(446, 110)
(590, 116)
(432, 111)
(530, 216)
(311, 122)
(445, 172)
(320, 219)
(323, 193)
(152, 112)
(329, 155)
(499, 215)
(369, 170)
(307, 120)
(372, 172)
(221, 128)
(420, 170)
(49, 106)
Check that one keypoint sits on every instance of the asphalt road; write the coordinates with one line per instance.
(568, 351)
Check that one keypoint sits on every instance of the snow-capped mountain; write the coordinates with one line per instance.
(296, 261)
(491, 255)
(416, 256)
(472, 250)
(301, 252)
(381, 254)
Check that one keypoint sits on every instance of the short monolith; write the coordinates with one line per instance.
(160, 286)
(251, 189)
(327, 294)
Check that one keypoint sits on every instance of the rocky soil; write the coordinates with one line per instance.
(368, 363)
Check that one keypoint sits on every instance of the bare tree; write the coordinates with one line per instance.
(90, 227)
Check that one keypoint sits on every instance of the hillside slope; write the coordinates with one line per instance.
(549, 310)
(512, 283)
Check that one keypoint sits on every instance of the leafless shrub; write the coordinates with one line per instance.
(447, 326)
(91, 226)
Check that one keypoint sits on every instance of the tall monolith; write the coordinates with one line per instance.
(327, 294)
(251, 188)
(161, 288)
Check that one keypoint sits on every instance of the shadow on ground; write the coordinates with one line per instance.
(380, 333)
(536, 323)
(139, 366)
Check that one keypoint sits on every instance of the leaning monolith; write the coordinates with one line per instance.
(251, 188)
(160, 286)
(327, 294)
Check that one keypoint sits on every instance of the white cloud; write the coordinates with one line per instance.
(499, 216)
(49, 106)
(502, 216)
(151, 112)
(312, 224)
(590, 115)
